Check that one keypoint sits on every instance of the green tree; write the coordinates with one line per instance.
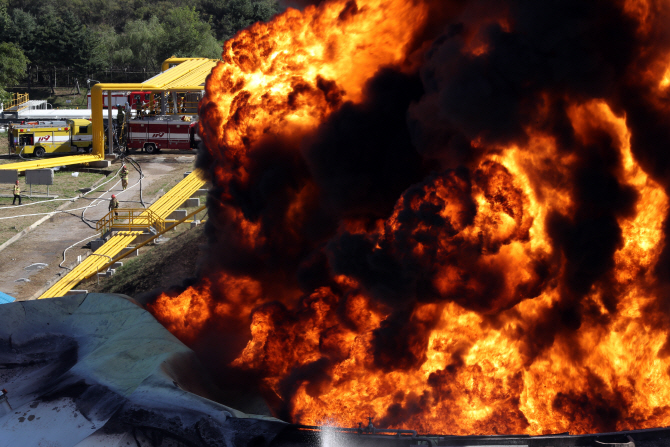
(19, 27)
(13, 64)
(186, 35)
(105, 43)
(230, 16)
(91, 35)
(50, 43)
(78, 45)
(140, 45)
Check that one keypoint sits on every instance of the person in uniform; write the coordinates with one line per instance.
(124, 177)
(114, 204)
(17, 193)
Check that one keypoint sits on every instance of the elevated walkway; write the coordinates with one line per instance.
(130, 219)
(92, 264)
(18, 102)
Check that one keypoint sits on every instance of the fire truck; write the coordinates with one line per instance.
(42, 137)
(164, 132)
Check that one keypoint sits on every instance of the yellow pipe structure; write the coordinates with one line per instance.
(42, 163)
(187, 76)
(91, 265)
(173, 60)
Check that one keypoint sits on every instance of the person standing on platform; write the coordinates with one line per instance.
(114, 204)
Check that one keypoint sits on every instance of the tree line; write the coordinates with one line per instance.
(93, 36)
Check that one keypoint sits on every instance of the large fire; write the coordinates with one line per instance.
(448, 216)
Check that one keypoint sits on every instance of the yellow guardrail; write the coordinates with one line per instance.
(130, 219)
(18, 100)
(73, 278)
(92, 264)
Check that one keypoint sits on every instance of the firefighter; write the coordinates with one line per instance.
(114, 204)
(17, 193)
(120, 118)
(124, 177)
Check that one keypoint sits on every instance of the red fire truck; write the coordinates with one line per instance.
(154, 134)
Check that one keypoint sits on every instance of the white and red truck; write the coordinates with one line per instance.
(154, 134)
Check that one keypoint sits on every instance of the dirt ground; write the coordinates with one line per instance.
(30, 264)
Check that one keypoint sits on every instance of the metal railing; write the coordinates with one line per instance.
(19, 100)
(129, 219)
(97, 268)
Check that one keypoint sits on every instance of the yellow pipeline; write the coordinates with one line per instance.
(174, 60)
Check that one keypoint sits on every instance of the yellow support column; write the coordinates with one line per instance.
(96, 118)
(110, 127)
